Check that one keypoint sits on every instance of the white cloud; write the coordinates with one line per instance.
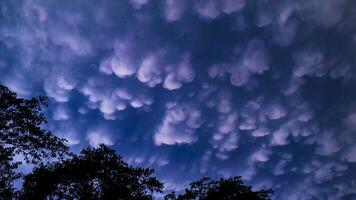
(260, 132)
(68, 132)
(327, 144)
(179, 125)
(224, 102)
(309, 62)
(71, 41)
(211, 9)
(150, 71)
(97, 138)
(171, 83)
(124, 94)
(327, 13)
(255, 57)
(254, 61)
(137, 4)
(121, 67)
(61, 112)
(120, 61)
(227, 123)
(285, 32)
(229, 6)
(173, 9)
(350, 120)
(279, 168)
(65, 83)
(107, 106)
(54, 91)
(280, 136)
(217, 71)
(264, 16)
(304, 113)
(261, 155)
(185, 71)
(105, 66)
(207, 9)
(341, 71)
(276, 111)
(179, 74)
(112, 99)
(350, 154)
(239, 76)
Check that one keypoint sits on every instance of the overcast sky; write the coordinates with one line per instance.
(261, 89)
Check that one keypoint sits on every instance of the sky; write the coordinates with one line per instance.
(263, 89)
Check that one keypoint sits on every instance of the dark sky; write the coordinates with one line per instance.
(261, 89)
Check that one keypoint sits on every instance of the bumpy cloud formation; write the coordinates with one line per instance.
(261, 89)
(178, 125)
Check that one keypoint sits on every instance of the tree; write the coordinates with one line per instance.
(7, 173)
(94, 174)
(21, 133)
(223, 189)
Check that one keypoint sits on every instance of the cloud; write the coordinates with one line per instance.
(253, 61)
(96, 138)
(212, 9)
(260, 132)
(240, 85)
(261, 155)
(229, 6)
(275, 111)
(240, 76)
(350, 154)
(179, 74)
(207, 9)
(150, 71)
(114, 99)
(328, 144)
(179, 125)
(61, 113)
(173, 9)
(138, 3)
(120, 62)
(309, 62)
(280, 136)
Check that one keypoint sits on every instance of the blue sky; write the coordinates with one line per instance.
(261, 89)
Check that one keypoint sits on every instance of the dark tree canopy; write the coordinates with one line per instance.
(223, 189)
(21, 133)
(94, 174)
(7, 172)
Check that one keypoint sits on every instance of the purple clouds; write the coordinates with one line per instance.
(261, 89)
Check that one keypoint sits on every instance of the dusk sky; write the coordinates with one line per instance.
(263, 89)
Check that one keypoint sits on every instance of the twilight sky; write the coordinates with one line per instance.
(264, 89)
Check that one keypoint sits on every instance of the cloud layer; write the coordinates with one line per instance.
(261, 89)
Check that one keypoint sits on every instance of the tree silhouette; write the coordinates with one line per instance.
(21, 133)
(94, 174)
(223, 189)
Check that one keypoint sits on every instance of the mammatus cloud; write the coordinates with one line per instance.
(179, 125)
(96, 138)
(254, 60)
(261, 89)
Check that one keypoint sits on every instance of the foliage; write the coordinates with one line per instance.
(223, 189)
(21, 134)
(94, 174)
